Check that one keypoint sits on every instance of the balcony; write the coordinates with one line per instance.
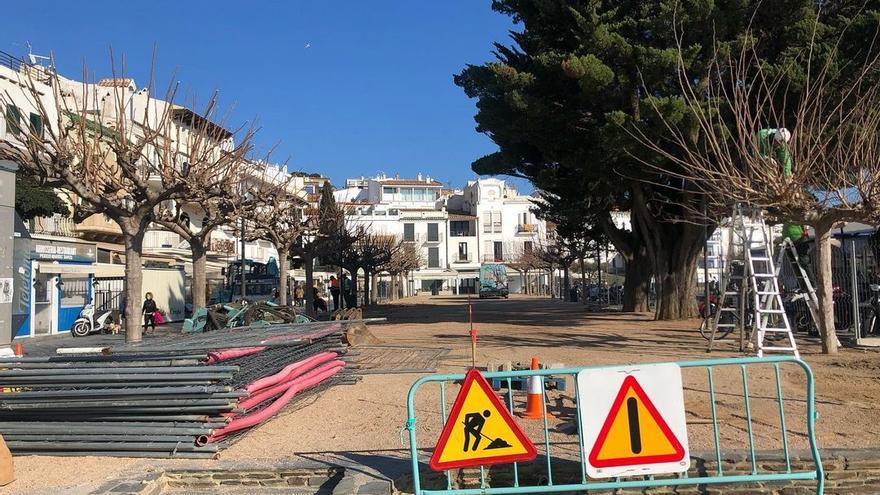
(526, 228)
(57, 225)
(421, 239)
(99, 228)
(468, 258)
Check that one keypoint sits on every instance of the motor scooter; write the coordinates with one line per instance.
(89, 322)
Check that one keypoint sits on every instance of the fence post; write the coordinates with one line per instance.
(857, 318)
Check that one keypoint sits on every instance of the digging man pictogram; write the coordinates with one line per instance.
(473, 428)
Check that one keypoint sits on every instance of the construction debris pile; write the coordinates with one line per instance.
(231, 315)
(183, 396)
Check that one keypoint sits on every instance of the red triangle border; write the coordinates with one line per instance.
(630, 382)
(474, 377)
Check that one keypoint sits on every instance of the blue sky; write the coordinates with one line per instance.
(371, 92)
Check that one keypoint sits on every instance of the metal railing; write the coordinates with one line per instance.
(715, 471)
(10, 61)
(526, 228)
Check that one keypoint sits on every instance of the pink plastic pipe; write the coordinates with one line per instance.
(235, 352)
(308, 363)
(308, 380)
(277, 389)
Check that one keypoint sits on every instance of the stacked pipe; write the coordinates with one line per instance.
(183, 396)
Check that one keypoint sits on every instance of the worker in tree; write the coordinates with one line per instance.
(473, 428)
(773, 144)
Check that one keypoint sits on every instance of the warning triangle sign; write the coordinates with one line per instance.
(479, 430)
(634, 433)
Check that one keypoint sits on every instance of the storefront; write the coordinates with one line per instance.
(53, 282)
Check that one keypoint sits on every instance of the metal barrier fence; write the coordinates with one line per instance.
(712, 475)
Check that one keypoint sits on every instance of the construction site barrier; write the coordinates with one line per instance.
(761, 470)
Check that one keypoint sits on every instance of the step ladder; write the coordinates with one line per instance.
(788, 250)
(751, 289)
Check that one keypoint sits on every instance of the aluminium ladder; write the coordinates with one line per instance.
(805, 286)
(758, 284)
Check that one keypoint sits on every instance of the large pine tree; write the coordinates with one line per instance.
(562, 101)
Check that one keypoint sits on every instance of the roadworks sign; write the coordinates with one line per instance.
(634, 421)
(479, 430)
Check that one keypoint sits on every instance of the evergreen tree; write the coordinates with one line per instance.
(33, 200)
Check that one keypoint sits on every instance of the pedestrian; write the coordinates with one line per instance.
(334, 291)
(299, 294)
(319, 304)
(149, 311)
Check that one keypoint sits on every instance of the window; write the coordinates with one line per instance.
(433, 232)
(527, 246)
(389, 190)
(498, 251)
(310, 189)
(13, 120)
(492, 222)
(433, 257)
(380, 213)
(37, 124)
(462, 251)
(393, 212)
(406, 194)
(459, 228)
(409, 232)
(419, 194)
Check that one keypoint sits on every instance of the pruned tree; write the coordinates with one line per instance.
(404, 260)
(376, 250)
(797, 136)
(211, 198)
(117, 151)
(274, 212)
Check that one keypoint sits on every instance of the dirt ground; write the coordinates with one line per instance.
(362, 424)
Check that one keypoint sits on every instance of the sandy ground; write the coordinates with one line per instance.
(362, 424)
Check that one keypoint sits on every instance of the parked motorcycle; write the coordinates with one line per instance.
(870, 312)
(88, 322)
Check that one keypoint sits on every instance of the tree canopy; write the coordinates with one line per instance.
(33, 200)
(562, 100)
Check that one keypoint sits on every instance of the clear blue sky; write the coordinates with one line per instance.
(372, 92)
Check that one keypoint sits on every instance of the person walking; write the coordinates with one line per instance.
(299, 294)
(334, 291)
(148, 309)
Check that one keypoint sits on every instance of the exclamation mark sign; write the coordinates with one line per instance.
(635, 436)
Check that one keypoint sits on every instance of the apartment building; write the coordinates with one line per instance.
(68, 280)
(454, 230)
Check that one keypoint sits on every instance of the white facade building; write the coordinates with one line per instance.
(454, 231)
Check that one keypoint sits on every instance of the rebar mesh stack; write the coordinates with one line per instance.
(157, 399)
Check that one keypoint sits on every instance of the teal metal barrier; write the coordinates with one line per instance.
(717, 477)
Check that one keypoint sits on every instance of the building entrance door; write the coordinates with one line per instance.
(45, 304)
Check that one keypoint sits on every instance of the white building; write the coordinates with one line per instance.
(454, 231)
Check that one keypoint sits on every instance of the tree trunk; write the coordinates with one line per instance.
(309, 261)
(199, 273)
(393, 295)
(824, 290)
(134, 279)
(374, 286)
(636, 286)
(566, 282)
(282, 275)
(583, 283)
(674, 248)
(367, 288)
(550, 284)
(354, 288)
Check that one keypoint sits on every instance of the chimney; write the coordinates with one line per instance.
(428, 179)
(419, 177)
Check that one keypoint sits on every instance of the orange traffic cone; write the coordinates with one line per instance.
(19, 352)
(535, 402)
